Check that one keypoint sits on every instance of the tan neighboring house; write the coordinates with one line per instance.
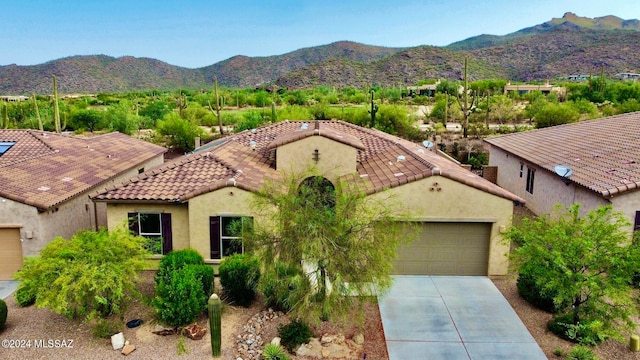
(189, 202)
(594, 163)
(45, 182)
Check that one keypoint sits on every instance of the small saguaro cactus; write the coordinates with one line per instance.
(215, 311)
(373, 111)
(56, 108)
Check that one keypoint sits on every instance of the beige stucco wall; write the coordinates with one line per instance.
(117, 216)
(628, 204)
(451, 201)
(548, 188)
(336, 159)
(226, 201)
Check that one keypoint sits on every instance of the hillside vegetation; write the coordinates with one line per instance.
(557, 48)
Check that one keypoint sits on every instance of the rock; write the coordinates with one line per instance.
(164, 330)
(117, 341)
(276, 341)
(128, 349)
(358, 339)
(325, 353)
(194, 331)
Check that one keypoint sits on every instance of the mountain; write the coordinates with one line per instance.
(559, 47)
(568, 21)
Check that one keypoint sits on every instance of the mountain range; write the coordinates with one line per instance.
(557, 48)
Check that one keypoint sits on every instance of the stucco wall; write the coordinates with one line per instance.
(548, 188)
(117, 216)
(335, 159)
(12, 212)
(628, 204)
(451, 201)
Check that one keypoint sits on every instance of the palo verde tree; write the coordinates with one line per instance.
(341, 241)
(587, 262)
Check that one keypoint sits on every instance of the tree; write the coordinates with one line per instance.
(181, 133)
(587, 262)
(342, 241)
(553, 114)
(92, 274)
(87, 119)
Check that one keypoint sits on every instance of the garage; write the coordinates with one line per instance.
(446, 248)
(10, 251)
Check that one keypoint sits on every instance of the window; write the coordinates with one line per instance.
(530, 178)
(5, 146)
(156, 227)
(225, 234)
(636, 223)
(521, 169)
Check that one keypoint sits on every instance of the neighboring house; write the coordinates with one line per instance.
(188, 203)
(45, 182)
(603, 156)
(522, 89)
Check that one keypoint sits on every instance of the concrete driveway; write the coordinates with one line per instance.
(453, 317)
(7, 287)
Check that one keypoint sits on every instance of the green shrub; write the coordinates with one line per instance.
(205, 274)
(3, 313)
(105, 328)
(294, 334)
(25, 295)
(278, 286)
(91, 274)
(535, 294)
(181, 298)
(239, 275)
(274, 352)
(587, 332)
(581, 353)
(176, 260)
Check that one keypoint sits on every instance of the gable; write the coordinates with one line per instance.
(331, 158)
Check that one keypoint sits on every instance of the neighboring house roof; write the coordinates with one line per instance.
(44, 169)
(245, 160)
(604, 154)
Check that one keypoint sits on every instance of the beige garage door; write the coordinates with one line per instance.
(446, 249)
(10, 252)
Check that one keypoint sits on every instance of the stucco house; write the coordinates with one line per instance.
(189, 202)
(45, 182)
(594, 163)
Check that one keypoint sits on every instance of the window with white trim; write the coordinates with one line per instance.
(531, 173)
(226, 235)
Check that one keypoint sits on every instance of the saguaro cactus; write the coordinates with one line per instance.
(215, 323)
(56, 109)
(373, 111)
(35, 109)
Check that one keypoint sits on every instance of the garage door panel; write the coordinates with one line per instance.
(10, 253)
(446, 249)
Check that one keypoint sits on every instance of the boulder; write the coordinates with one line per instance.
(117, 341)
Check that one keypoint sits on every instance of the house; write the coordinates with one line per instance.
(522, 89)
(594, 163)
(189, 202)
(45, 180)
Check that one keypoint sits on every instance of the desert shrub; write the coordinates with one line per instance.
(176, 260)
(180, 298)
(587, 332)
(278, 286)
(274, 352)
(91, 274)
(3, 313)
(533, 293)
(205, 274)
(105, 328)
(581, 353)
(294, 334)
(239, 275)
(25, 295)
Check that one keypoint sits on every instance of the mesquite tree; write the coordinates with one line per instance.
(341, 240)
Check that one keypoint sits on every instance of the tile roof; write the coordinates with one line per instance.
(45, 169)
(246, 160)
(604, 154)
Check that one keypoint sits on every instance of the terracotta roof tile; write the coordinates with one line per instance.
(604, 154)
(45, 169)
(384, 160)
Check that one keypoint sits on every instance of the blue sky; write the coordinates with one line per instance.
(199, 33)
